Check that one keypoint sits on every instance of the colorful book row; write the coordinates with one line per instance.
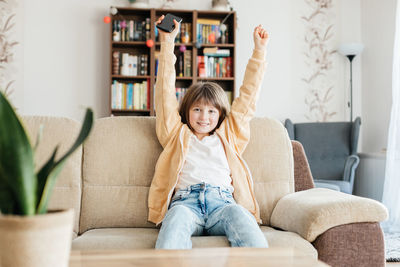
(131, 30)
(211, 31)
(129, 64)
(219, 67)
(130, 96)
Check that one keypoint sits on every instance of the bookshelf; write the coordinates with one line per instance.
(205, 51)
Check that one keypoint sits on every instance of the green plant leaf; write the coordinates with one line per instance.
(17, 173)
(44, 172)
(6, 200)
(49, 172)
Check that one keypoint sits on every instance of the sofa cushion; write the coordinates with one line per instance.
(145, 238)
(270, 159)
(63, 132)
(119, 160)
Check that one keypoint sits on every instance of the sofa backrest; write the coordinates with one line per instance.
(107, 182)
(119, 160)
(120, 157)
(63, 132)
(269, 156)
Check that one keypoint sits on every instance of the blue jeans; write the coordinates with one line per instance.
(203, 209)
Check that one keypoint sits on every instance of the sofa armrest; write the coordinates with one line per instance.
(350, 166)
(311, 212)
(303, 179)
(354, 244)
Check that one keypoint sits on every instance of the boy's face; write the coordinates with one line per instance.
(203, 118)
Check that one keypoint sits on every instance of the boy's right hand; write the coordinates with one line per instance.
(168, 36)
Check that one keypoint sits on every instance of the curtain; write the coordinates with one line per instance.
(391, 189)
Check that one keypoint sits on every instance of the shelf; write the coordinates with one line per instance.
(216, 78)
(177, 44)
(130, 77)
(130, 110)
(126, 43)
(182, 78)
(217, 45)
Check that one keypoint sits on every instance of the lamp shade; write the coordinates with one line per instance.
(350, 49)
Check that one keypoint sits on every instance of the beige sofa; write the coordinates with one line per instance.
(107, 181)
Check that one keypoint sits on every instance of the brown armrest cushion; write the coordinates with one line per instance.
(303, 179)
(355, 244)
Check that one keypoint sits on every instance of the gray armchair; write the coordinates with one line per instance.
(331, 149)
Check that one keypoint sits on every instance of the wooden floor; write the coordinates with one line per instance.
(392, 264)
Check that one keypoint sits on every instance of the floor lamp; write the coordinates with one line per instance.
(350, 51)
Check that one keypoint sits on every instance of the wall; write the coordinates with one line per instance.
(378, 27)
(65, 57)
(370, 176)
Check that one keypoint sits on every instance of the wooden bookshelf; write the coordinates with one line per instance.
(134, 46)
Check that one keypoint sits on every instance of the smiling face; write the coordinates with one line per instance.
(203, 118)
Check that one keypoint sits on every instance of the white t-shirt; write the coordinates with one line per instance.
(205, 162)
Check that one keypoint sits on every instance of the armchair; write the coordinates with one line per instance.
(331, 149)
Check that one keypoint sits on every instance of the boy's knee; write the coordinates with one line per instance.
(236, 212)
(179, 214)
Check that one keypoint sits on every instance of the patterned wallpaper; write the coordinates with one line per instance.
(318, 56)
(7, 45)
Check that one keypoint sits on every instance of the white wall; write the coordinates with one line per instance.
(66, 58)
(378, 27)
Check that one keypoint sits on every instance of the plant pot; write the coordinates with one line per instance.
(36, 241)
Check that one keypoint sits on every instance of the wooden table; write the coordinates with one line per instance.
(209, 257)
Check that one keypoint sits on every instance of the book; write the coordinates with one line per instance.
(136, 96)
(115, 62)
(215, 52)
(201, 66)
(187, 63)
(208, 21)
(129, 100)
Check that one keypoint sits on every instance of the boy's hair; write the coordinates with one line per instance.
(207, 93)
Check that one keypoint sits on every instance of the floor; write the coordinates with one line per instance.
(392, 264)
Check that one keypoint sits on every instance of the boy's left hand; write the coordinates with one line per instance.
(260, 37)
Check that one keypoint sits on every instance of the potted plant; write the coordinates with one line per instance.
(29, 234)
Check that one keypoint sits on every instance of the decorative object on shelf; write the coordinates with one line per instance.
(149, 43)
(107, 19)
(113, 10)
(350, 51)
(24, 197)
(221, 5)
(168, 4)
(197, 45)
(139, 3)
(182, 48)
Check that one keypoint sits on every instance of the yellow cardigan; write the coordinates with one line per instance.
(174, 136)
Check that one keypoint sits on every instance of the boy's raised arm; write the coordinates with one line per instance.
(166, 104)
